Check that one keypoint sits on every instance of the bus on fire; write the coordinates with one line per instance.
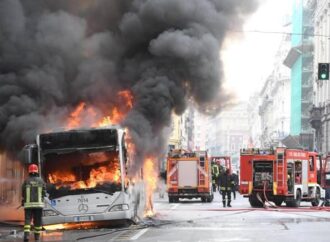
(85, 172)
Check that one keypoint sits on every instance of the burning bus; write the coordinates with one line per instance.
(86, 175)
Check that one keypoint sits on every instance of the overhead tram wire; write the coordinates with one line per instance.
(278, 32)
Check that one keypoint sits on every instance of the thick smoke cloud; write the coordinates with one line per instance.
(55, 54)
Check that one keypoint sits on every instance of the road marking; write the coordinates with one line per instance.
(226, 240)
(174, 206)
(138, 235)
(220, 228)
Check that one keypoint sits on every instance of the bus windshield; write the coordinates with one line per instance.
(83, 171)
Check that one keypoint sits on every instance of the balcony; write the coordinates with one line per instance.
(315, 117)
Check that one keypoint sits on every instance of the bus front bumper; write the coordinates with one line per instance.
(106, 216)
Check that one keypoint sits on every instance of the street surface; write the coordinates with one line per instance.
(191, 220)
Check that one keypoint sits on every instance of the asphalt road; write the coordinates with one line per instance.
(191, 220)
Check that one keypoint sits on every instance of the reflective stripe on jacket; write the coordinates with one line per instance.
(33, 192)
(226, 182)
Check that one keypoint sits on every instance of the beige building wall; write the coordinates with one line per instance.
(11, 178)
(175, 137)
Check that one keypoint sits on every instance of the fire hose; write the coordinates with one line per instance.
(265, 201)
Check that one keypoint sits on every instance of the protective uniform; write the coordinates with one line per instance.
(33, 193)
(235, 183)
(215, 175)
(226, 183)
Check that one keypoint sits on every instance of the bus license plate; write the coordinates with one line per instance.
(82, 219)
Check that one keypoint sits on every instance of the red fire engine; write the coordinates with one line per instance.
(189, 176)
(280, 175)
(325, 173)
(324, 178)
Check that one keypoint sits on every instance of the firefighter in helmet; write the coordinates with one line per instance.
(215, 175)
(226, 183)
(33, 193)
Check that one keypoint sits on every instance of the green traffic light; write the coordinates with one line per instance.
(323, 75)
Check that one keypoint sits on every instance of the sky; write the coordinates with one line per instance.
(248, 59)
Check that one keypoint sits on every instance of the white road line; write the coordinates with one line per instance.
(174, 206)
(226, 240)
(220, 228)
(138, 235)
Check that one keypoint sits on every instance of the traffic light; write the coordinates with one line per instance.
(323, 71)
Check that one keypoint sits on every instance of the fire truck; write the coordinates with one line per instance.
(189, 176)
(85, 172)
(324, 178)
(279, 175)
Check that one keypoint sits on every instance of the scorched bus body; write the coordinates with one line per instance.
(85, 172)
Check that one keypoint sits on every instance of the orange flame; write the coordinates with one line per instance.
(128, 98)
(115, 118)
(97, 176)
(75, 117)
(88, 116)
(150, 175)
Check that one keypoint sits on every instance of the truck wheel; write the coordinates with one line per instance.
(296, 202)
(203, 199)
(316, 201)
(210, 198)
(278, 201)
(254, 202)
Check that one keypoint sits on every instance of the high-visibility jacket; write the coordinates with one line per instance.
(226, 182)
(33, 192)
(215, 173)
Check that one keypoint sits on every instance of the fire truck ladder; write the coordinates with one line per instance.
(280, 170)
(201, 172)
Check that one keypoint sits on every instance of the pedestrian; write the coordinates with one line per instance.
(226, 183)
(33, 193)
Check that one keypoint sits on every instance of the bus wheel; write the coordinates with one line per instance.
(316, 201)
(170, 199)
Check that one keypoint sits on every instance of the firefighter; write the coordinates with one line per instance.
(33, 193)
(215, 175)
(234, 184)
(226, 183)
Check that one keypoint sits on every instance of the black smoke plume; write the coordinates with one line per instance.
(57, 53)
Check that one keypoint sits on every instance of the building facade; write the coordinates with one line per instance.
(254, 120)
(200, 131)
(228, 132)
(275, 99)
(11, 177)
(300, 59)
(320, 113)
